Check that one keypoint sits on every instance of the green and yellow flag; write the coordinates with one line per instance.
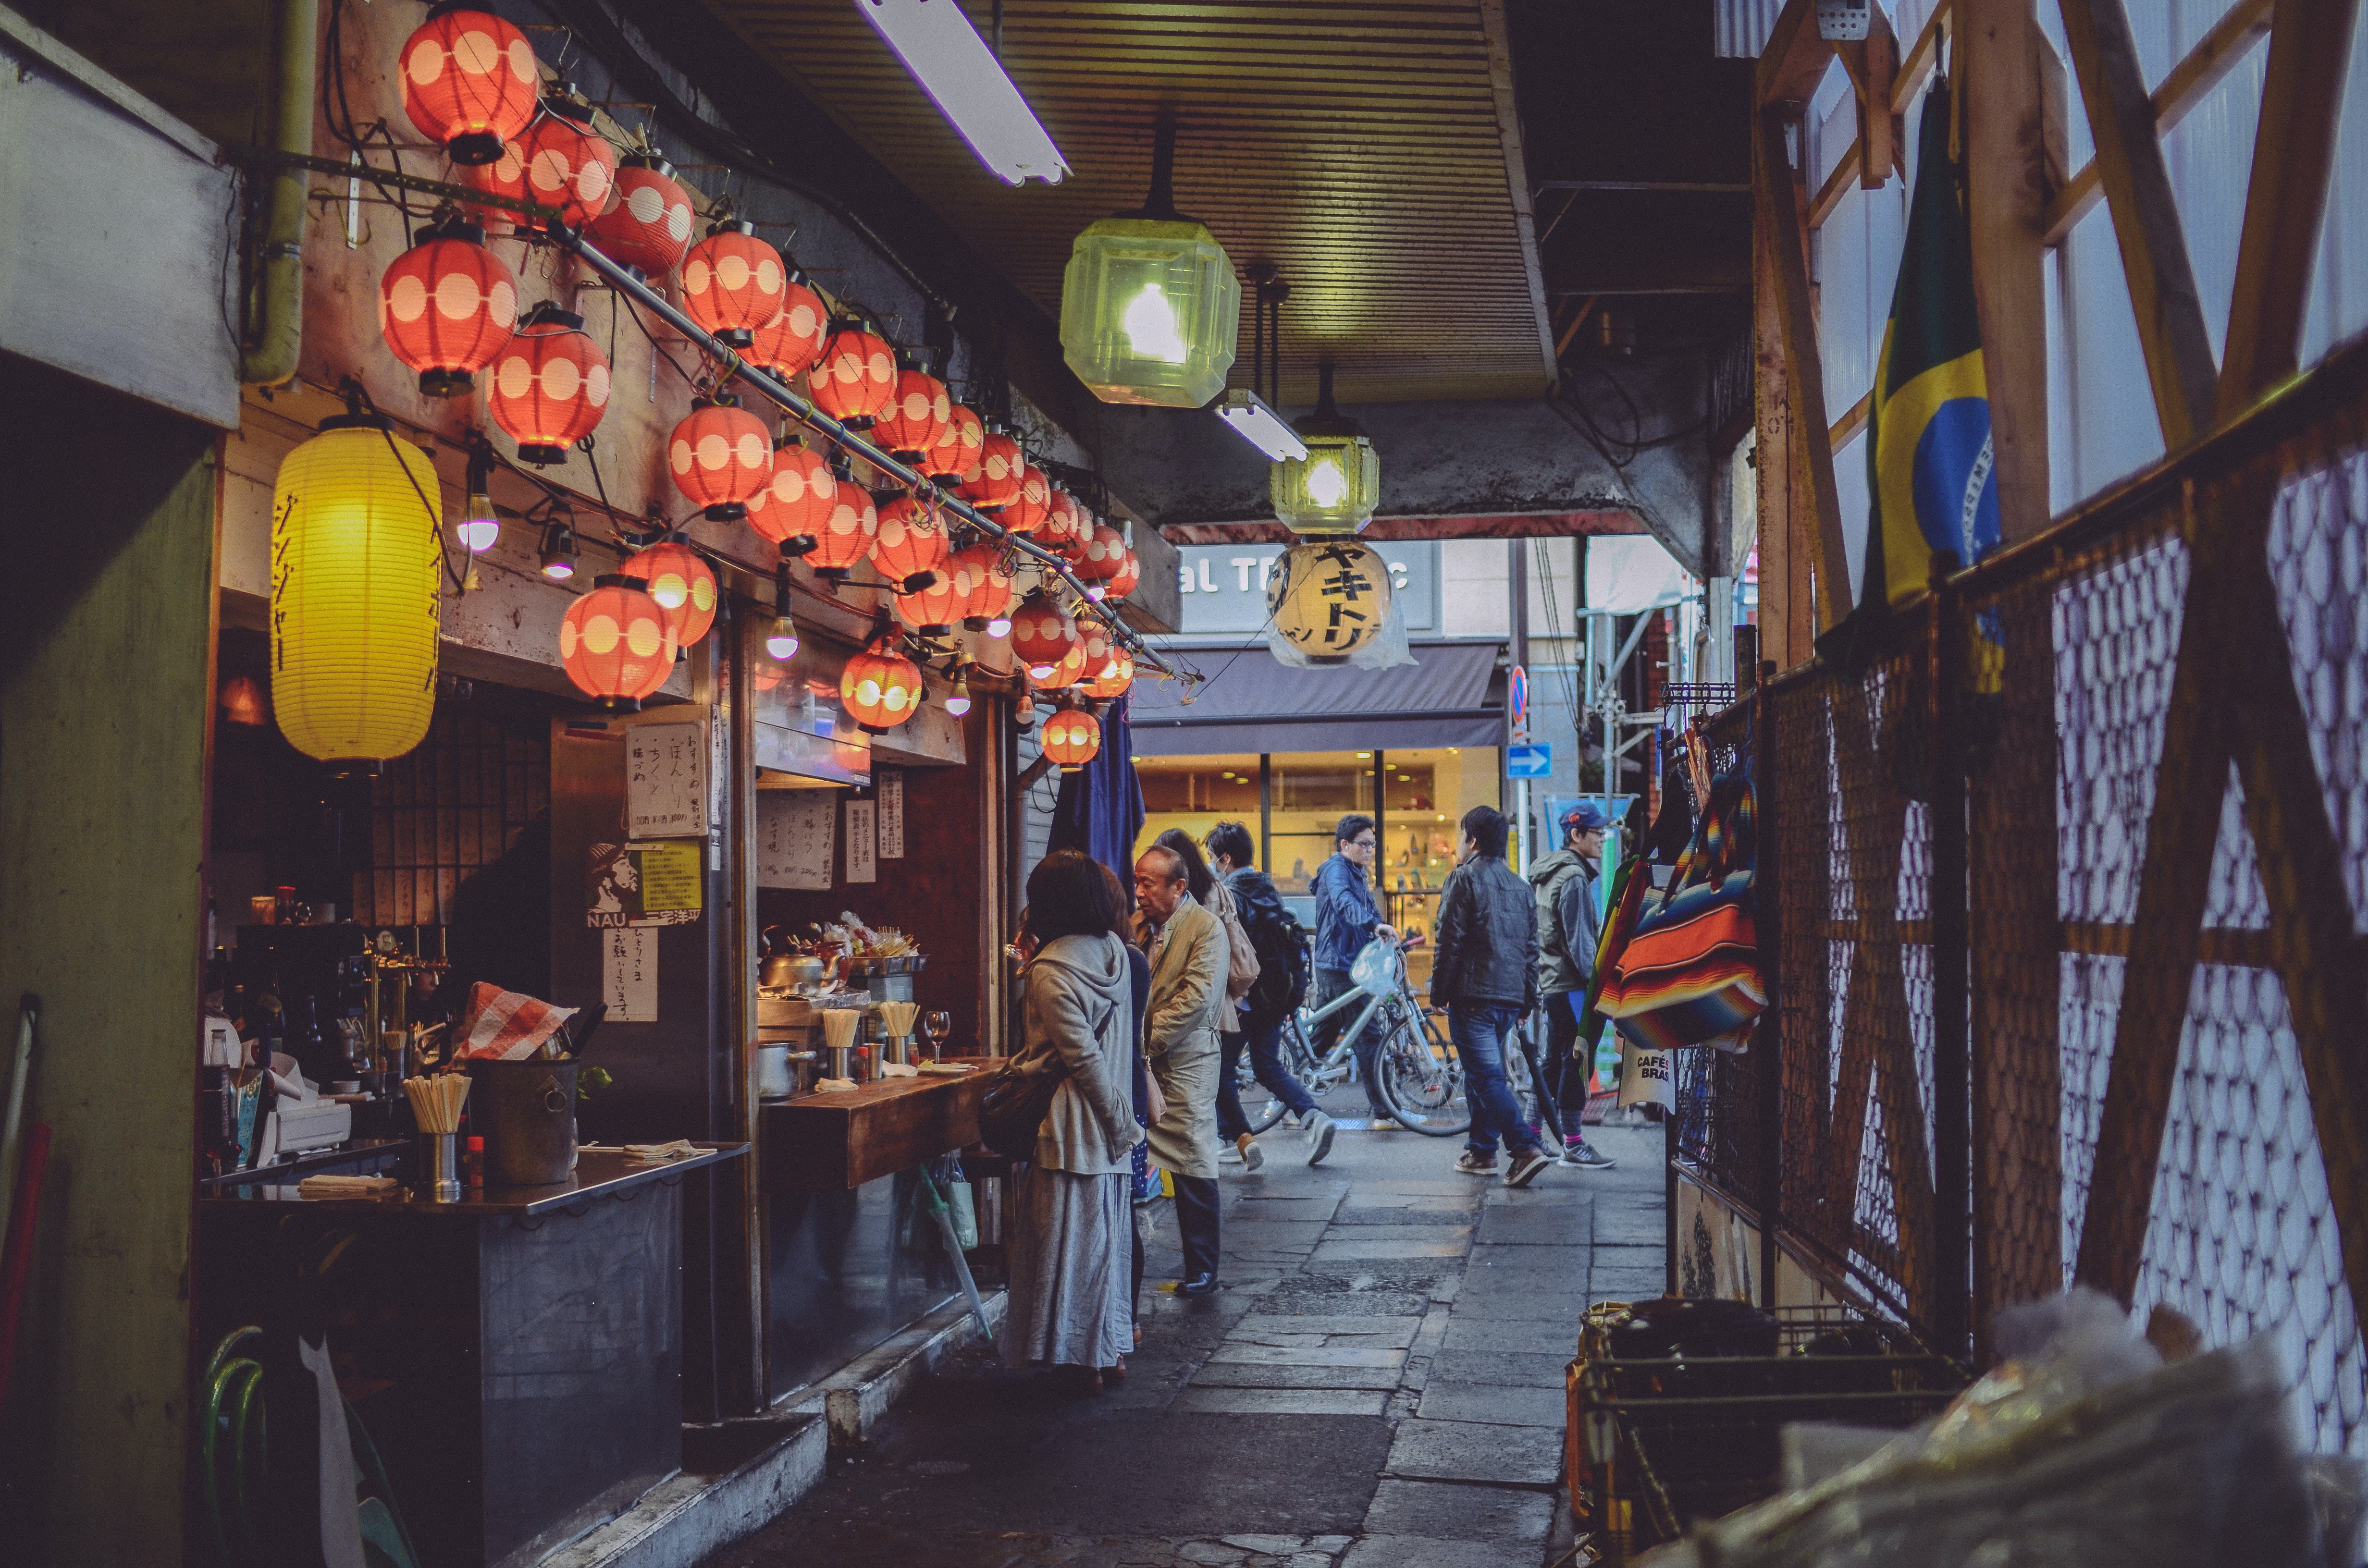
(1932, 472)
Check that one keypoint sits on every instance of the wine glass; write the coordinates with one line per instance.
(935, 1027)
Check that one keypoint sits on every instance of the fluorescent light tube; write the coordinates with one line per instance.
(945, 54)
(1260, 425)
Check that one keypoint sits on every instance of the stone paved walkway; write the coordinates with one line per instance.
(1379, 1385)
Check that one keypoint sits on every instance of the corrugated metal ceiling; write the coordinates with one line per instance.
(1356, 146)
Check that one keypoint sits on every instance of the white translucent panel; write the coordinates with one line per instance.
(2210, 155)
(2338, 295)
(2115, 431)
(1850, 487)
(1842, 310)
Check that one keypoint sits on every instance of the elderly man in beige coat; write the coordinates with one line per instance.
(1179, 1039)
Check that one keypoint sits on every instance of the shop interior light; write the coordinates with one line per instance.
(958, 703)
(781, 641)
(559, 552)
(945, 54)
(1260, 425)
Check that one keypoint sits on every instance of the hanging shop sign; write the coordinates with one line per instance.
(654, 883)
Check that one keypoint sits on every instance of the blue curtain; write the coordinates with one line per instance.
(1100, 806)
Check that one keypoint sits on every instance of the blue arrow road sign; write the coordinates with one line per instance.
(1528, 762)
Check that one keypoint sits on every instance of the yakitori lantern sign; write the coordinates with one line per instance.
(911, 541)
(848, 533)
(918, 416)
(1336, 486)
(1329, 599)
(617, 644)
(469, 82)
(1116, 679)
(994, 481)
(1150, 312)
(447, 306)
(355, 592)
(1102, 559)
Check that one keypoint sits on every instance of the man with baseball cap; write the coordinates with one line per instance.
(1565, 885)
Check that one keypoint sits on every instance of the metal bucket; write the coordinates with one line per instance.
(525, 1113)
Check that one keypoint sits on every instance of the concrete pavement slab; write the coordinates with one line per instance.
(1293, 1356)
(1281, 1401)
(1511, 1369)
(1442, 1510)
(1397, 1332)
(1427, 1551)
(1265, 1375)
(1475, 1329)
(1495, 1404)
(1458, 1451)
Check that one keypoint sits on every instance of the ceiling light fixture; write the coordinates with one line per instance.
(1257, 421)
(945, 54)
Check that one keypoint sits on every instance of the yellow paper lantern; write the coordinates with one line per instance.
(356, 599)
(1329, 599)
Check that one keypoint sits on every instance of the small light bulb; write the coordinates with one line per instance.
(1150, 326)
(782, 642)
(559, 552)
(958, 703)
(1327, 484)
(998, 626)
(479, 527)
(1040, 672)
(1096, 592)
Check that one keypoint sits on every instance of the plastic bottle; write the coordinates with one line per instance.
(473, 1163)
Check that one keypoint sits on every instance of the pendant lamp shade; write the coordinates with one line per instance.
(1150, 312)
(550, 385)
(918, 414)
(856, 376)
(1337, 487)
(733, 283)
(681, 583)
(1027, 510)
(447, 306)
(568, 164)
(911, 541)
(1041, 635)
(990, 484)
(979, 575)
(617, 644)
(469, 82)
(1116, 678)
(957, 451)
(790, 343)
(1073, 738)
(845, 536)
(881, 687)
(356, 602)
(719, 457)
(1329, 599)
(1100, 559)
(648, 227)
(1129, 578)
(796, 501)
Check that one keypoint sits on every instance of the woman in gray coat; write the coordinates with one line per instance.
(1071, 1226)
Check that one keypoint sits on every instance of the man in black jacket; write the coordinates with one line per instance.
(1280, 985)
(1486, 971)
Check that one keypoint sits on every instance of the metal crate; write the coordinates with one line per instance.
(1655, 1445)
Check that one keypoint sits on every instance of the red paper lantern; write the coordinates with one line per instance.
(919, 415)
(505, 176)
(881, 687)
(1062, 519)
(682, 584)
(568, 164)
(1027, 512)
(1130, 574)
(789, 345)
(1041, 635)
(446, 306)
(845, 537)
(1096, 646)
(469, 82)
(648, 228)
(856, 376)
(1063, 675)
(911, 540)
(719, 457)
(550, 386)
(984, 584)
(1102, 557)
(733, 283)
(995, 480)
(1117, 675)
(956, 453)
(932, 611)
(1073, 738)
(796, 504)
(617, 644)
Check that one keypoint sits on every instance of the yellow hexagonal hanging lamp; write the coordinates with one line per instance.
(1337, 487)
(1150, 309)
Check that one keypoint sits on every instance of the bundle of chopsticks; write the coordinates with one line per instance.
(896, 1018)
(435, 1102)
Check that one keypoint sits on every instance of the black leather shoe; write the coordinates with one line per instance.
(1199, 1285)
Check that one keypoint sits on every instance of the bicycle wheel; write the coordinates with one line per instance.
(1421, 1081)
(1262, 1107)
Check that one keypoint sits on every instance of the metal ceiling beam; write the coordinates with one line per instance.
(1517, 176)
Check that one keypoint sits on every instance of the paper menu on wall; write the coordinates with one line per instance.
(891, 781)
(796, 830)
(665, 780)
(862, 848)
(629, 973)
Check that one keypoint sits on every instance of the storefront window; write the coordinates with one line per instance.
(1312, 790)
(1196, 794)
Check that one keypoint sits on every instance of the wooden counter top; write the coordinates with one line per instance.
(835, 1142)
(598, 1174)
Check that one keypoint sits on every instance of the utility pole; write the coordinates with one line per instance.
(1517, 583)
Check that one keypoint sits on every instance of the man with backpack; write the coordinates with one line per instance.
(1280, 985)
(1565, 888)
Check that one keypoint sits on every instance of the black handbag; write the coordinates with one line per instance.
(1012, 1111)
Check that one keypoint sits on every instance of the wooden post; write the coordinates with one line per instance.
(1813, 485)
(1768, 1038)
(1998, 47)
(1783, 575)
(1952, 1114)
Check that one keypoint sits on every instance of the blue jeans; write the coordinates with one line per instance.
(1265, 1042)
(1480, 1031)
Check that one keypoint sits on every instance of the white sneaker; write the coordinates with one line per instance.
(1319, 1137)
(1251, 1155)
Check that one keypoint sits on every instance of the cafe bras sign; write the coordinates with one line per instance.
(1223, 586)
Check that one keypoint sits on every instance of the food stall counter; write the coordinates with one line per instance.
(836, 1142)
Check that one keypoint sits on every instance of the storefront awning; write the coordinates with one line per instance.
(1451, 696)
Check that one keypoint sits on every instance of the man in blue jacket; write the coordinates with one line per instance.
(1346, 919)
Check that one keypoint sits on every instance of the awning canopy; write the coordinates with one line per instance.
(1451, 696)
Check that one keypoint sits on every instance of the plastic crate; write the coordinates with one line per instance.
(1655, 1445)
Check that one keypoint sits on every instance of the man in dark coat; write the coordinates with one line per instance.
(1486, 974)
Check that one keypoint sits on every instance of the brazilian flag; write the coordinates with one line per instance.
(1931, 472)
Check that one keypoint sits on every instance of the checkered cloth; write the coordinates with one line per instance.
(507, 1024)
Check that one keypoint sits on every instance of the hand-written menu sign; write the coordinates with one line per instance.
(862, 848)
(665, 780)
(891, 812)
(796, 830)
(644, 884)
(628, 974)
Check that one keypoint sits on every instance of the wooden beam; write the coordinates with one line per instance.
(1577, 322)
(1997, 68)
(1854, 419)
(1922, 58)
(1804, 372)
(2294, 156)
(2179, 364)
(1874, 65)
(1794, 58)
(1498, 36)
(1838, 184)
(1784, 631)
(2216, 54)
